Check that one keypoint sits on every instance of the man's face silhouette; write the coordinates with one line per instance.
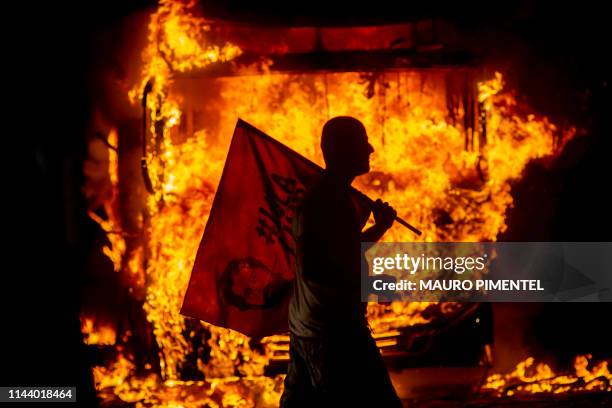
(361, 154)
(345, 146)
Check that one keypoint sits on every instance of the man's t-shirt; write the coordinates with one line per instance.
(327, 232)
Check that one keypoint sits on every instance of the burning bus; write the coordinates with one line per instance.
(452, 137)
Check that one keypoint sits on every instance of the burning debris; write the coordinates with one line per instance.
(530, 377)
(118, 385)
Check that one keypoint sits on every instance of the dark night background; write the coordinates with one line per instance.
(560, 68)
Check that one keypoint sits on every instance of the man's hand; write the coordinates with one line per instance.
(384, 214)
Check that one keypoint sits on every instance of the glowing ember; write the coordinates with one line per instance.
(97, 334)
(530, 377)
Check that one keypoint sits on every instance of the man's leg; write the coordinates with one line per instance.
(298, 390)
(383, 392)
(356, 374)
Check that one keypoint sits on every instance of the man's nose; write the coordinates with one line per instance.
(370, 148)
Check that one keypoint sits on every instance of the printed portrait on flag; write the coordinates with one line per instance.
(249, 284)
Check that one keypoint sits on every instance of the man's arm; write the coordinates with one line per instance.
(384, 215)
(373, 234)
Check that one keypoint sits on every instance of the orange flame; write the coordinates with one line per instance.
(111, 225)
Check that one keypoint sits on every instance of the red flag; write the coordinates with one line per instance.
(244, 267)
(242, 275)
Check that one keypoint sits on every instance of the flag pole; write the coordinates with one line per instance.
(410, 227)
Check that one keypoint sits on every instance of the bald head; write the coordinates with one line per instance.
(345, 146)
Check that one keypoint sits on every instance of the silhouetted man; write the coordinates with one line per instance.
(334, 360)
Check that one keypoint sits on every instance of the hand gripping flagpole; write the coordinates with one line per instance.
(398, 219)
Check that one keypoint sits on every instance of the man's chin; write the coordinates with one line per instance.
(364, 170)
(360, 171)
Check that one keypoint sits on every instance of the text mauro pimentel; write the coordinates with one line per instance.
(462, 266)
